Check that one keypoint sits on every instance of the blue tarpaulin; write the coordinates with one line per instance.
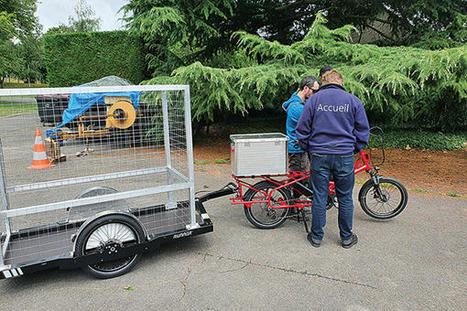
(79, 103)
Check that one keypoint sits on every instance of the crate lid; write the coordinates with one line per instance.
(259, 137)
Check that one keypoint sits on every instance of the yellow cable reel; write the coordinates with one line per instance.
(121, 115)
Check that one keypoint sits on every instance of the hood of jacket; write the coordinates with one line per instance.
(293, 99)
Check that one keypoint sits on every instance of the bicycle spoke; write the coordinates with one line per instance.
(387, 202)
(265, 213)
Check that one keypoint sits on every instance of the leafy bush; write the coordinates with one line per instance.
(423, 140)
(77, 58)
(237, 58)
(391, 138)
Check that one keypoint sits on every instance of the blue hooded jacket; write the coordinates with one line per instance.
(333, 122)
(294, 108)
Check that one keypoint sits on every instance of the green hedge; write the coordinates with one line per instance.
(391, 138)
(422, 140)
(77, 58)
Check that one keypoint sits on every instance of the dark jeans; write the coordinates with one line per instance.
(342, 167)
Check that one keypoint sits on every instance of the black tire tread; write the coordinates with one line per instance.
(248, 196)
(112, 218)
(368, 185)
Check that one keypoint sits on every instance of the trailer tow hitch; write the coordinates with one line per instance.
(228, 189)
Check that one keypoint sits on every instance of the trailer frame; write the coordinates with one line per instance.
(198, 222)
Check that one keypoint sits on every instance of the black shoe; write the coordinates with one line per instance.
(313, 241)
(350, 242)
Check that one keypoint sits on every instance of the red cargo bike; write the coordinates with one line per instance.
(269, 199)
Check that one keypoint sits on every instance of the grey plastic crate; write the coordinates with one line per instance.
(259, 154)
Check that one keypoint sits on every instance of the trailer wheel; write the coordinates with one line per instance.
(109, 234)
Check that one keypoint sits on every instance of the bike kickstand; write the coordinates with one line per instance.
(304, 220)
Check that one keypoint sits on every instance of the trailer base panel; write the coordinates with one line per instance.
(51, 246)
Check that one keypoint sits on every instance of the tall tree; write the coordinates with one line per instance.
(401, 86)
(22, 15)
(59, 29)
(18, 24)
(177, 32)
(8, 57)
(407, 22)
(85, 19)
(30, 52)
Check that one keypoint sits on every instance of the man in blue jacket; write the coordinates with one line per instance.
(294, 107)
(333, 126)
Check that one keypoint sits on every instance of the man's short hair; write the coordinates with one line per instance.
(332, 76)
(308, 81)
(325, 69)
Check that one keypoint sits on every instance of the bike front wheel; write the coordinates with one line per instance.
(261, 215)
(385, 200)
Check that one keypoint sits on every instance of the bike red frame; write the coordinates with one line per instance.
(288, 180)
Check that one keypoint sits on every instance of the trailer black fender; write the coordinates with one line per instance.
(107, 235)
(86, 211)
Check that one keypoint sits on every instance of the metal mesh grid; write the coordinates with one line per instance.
(113, 148)
(177, 132)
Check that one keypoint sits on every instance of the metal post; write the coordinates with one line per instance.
(4, 203)
(168, 161)
(189, 158)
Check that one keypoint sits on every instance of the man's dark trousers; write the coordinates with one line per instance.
(342, 167)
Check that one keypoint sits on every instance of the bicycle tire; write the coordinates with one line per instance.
(278, 216)
(391, 188)
(113, 268)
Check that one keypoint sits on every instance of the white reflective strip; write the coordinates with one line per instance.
(19, 271)
(14, 272)
(38, 140)
(7, 274)
(39, 156)
(205, 216)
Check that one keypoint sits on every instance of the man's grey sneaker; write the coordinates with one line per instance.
(313, 241)
(350, 242)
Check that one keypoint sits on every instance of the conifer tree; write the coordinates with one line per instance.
(400, 86)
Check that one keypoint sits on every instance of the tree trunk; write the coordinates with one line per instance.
(29, 81)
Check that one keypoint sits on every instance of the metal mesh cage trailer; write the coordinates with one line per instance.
(98, 194)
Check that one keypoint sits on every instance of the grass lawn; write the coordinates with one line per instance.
(22, 85)
(9, 108)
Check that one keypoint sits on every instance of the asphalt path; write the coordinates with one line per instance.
(416, 261)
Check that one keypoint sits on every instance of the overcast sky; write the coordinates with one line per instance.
(52, 13)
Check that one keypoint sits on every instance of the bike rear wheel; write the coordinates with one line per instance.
(261, 215)
(385, 200)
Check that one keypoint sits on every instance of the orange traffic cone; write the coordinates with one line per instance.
(39, 158)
